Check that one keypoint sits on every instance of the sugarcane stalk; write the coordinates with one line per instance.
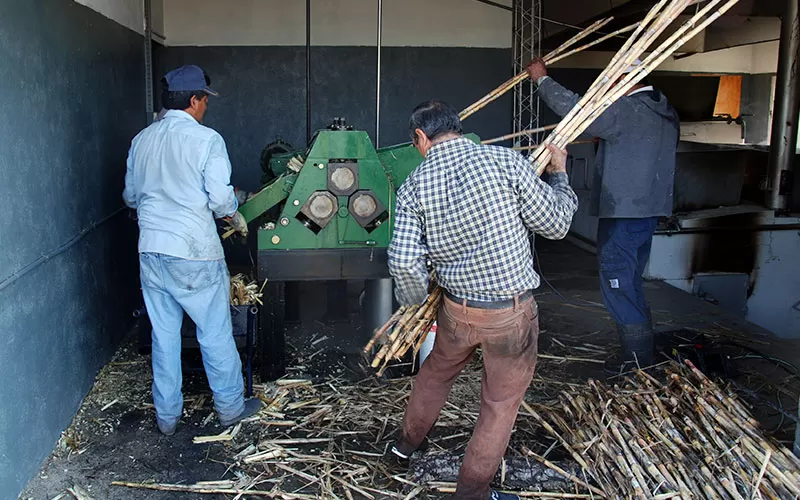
(673, 43)
(600, 40)
(520, 134)
(572, 477)
(614, 71)
(383, 329)
(517, 79)
(576, 121)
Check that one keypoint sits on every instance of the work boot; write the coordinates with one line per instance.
(167, 429)
(251, 407)
(637, 349)
(400, 453)
(499, 495)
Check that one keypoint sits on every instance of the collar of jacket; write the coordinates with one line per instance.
(441, 147)
(649, 88)
(179, 113)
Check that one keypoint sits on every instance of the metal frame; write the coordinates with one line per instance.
(526, 43)
(149, 105)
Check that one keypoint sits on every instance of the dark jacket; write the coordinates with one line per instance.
(635, 164)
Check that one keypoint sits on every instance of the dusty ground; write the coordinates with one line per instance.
(353, 417)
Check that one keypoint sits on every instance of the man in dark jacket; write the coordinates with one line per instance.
(632, 188)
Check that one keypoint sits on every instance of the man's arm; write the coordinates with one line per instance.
(547, 210)
(217, 179)
(129, 194)
(407, 249)
(561, 100)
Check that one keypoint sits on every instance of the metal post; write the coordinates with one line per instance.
(526, 43)
(378, 304)
(148, 60)
(378, 85)
(797, 433)
(783, 144)
(308, 72)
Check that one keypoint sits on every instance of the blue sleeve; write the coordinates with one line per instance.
(561, 100)
(217, 179)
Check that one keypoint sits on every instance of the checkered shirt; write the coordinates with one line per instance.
(470, 210)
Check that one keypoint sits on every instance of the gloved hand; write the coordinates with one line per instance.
(242, 196)
(237, 223)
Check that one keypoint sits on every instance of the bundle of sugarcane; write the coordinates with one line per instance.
(407, 328)
(614, 82)
(244, 292)
(685, 439)
(554, 56)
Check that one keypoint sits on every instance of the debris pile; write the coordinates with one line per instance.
(687, 438)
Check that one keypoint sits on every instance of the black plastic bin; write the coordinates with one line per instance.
(244, 320)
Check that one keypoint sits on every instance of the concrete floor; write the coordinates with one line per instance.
(121, 443)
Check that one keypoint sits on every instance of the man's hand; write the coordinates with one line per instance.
(238, 223)
(558, 162)
(537, 69)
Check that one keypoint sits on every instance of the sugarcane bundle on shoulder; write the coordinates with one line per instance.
(629, 66)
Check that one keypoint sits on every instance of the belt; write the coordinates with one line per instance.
(495, 304)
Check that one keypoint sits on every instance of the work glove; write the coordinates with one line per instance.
(242, 196)
(237, 223)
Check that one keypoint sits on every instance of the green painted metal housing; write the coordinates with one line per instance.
(379, 173)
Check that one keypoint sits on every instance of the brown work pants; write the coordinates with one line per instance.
(508, 339)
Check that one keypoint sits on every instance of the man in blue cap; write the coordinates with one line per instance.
(178, 180)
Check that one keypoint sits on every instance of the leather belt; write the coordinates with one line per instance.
(495, 304)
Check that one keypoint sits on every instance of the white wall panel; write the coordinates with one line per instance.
(129, 13)
(420, 23)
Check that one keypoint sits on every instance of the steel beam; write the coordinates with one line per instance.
(783, 145)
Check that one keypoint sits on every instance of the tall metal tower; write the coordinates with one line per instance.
(527, 26)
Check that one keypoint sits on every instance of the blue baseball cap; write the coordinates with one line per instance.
(189, 77)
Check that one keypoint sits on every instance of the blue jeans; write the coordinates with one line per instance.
(170, 286)
(623, 249)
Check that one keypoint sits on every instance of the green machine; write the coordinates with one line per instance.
(325, 214)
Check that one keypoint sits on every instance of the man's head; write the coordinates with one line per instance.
(433, 122)
(630, 69)
(186, 88)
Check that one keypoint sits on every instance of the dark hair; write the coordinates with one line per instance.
(180, 99)
(435, 118)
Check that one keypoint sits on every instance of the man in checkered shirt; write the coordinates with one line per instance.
(470, 211)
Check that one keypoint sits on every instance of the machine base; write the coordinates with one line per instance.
(320, 265)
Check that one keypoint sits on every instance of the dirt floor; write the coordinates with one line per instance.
(326, 427)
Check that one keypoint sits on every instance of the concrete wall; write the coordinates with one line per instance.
(262, 92)
(71, 103)
(254, 52)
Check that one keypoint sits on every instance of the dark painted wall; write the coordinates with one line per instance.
(72, 98)
(262, 91)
